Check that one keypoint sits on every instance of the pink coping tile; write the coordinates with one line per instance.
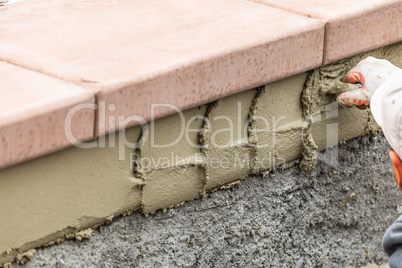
(139, 53)
(33, 112)
(352, 27)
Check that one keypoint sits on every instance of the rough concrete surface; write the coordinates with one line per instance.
(334, 217)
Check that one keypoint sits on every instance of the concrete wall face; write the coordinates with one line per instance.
(181, 157)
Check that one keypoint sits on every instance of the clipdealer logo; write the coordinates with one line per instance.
(230, 127)
(233, 128)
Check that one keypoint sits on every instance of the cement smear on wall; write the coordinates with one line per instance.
(334, 217)
(181, 157)
(324, 115)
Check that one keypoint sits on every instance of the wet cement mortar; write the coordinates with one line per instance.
(334, 217)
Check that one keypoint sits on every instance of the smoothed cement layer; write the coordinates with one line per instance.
(181, 157)
(52, 197)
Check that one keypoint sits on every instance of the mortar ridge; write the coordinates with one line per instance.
(138, 171)
(204, 142)
(251, 135)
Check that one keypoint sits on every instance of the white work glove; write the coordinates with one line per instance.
(383, 80)
(372, 74)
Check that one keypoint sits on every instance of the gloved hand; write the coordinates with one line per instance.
(371, 73)
(374, 75)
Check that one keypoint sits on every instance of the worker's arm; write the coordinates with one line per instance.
(373, 75)
(392, 240)
(383, 79)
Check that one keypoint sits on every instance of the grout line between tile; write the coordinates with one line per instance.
(96, 117)
(283, 9)
(96, 92)
(324, 43)
(300, 14)
(44, 73)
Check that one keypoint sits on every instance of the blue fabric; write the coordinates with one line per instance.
(392, 244)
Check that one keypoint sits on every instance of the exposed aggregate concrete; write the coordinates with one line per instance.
(334, 217)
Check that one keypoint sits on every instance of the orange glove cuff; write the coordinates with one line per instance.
(353, 78)
(397, 164)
